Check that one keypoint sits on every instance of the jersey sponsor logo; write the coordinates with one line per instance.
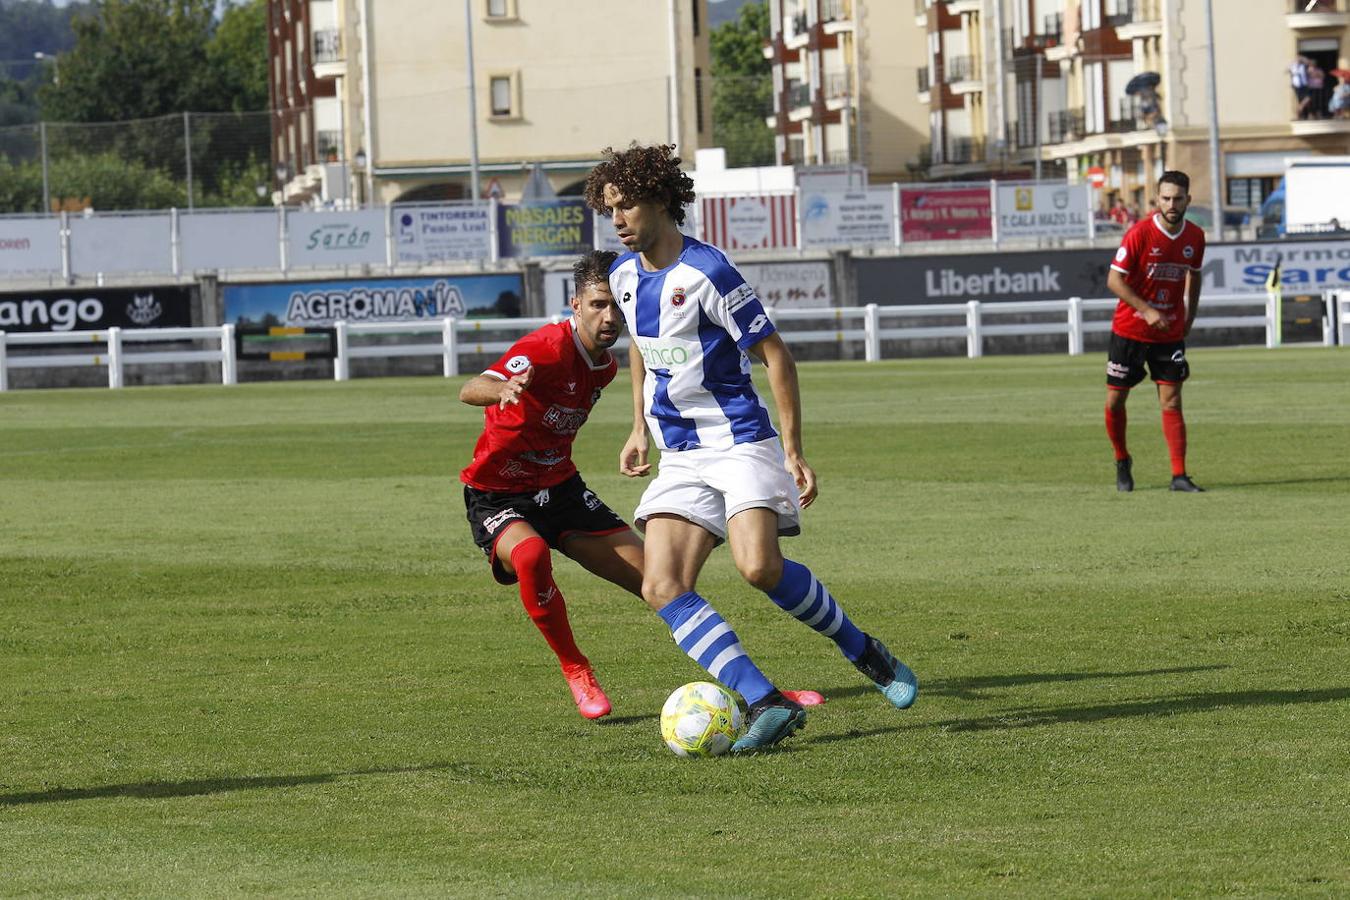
(1121, 254)
(550, 457)
(564, 419)
(495, 521)
(656, 357)
(518, 364)
(757, 324)
(739, 297)
(1167, 271)
(677, 297)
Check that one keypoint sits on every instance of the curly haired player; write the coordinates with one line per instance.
(724, 474)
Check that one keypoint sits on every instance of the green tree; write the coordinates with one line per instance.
(742, 87)
(108, 181)
(237, 58)
(134, 59)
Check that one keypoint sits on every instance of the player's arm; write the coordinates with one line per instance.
(1193, 282)
(787, 398)
(633, 456)
(488, 389)
(1116, 284)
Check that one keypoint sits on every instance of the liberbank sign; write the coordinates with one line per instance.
(1305, 267)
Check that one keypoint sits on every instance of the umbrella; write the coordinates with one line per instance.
(1143, 81)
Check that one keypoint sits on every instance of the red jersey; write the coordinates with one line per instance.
(528, 445)
(1155, 264)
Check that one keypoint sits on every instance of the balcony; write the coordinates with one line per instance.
(958, 68)
(328, 145)
(964, 150)
(1066, 125)
(925, 83)
(838, 157)
(838, 85)
(798, 100)
(836, 15)
(328, 60)
(1144, 19)
(957, 7)
(1116, 13)
(1304, 14)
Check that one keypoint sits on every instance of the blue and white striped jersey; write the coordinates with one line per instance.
(692, 322)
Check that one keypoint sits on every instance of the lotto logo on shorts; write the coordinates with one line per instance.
(1116, 370)
(497, 520)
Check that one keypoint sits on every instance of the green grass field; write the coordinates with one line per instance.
(247, 647)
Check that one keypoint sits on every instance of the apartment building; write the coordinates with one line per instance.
(378, 93)
(1065, 86)
(841, 90)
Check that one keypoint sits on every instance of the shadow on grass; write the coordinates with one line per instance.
(1162, 706)
(156, 790)
(1323, 479)
(969, 688)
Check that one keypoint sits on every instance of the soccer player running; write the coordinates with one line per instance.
(723, 473)
(523, 492)
(1156, 275)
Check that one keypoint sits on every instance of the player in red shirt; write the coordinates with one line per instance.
(1156, 275)
(523, 492)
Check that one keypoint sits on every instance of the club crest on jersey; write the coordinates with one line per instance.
(677, 297)
(1188, 251)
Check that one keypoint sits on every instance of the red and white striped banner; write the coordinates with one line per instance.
(758, 222)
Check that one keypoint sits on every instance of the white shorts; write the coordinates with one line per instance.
(708, 487)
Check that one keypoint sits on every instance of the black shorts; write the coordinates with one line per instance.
(1125, 360)
(556, 513)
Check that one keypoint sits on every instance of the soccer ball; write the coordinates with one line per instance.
(700, 719)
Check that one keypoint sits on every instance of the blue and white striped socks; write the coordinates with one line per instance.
(710, 642)
(806, 599)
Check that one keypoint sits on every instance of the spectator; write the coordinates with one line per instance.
(1317, 95)
(1119, 213)
(1340, 100)
(1298, 79)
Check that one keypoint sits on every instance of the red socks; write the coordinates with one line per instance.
(1174, 430)
(1115, 430)
(543, 601)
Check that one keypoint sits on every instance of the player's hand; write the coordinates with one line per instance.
(805, 478)
(633, 457)
(1155, 319)
(513, 387)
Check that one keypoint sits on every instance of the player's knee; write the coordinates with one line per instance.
(659, 590)
(531, 557)
(763, 573)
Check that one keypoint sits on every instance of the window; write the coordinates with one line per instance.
(695, 4)
(503, 105)
(1249, 193)
(501, 9)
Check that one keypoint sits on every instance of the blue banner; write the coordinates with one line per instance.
(553, 228)
(373, 300)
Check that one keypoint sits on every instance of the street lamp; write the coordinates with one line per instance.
(360, 159)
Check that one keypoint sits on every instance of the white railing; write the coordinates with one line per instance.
(974, 322)
(1338, 318)
(109, 348)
